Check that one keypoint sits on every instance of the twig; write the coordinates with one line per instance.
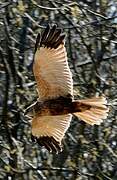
(32, 20)
(4, 5)
(51, 8)
(109, 149)
(9, 51)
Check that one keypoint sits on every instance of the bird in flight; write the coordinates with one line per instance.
(53, 110)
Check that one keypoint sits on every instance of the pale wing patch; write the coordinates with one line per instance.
(52, 73)
(51, 126)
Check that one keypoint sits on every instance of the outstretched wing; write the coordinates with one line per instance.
(50, 66)
(50, 130)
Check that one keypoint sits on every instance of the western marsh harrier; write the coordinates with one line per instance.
(53, 110)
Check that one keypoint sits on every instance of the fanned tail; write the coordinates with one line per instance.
(97, 111)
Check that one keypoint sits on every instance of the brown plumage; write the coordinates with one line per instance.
(53, 110)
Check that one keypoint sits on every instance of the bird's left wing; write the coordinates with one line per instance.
(51, 70)
(50, 130)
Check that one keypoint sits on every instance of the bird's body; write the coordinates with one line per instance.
(59, 106)
(53, 110)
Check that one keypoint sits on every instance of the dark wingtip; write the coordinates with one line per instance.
(54, 26)
(49, 143)
(44, 35)
(51, 37)
(59, 40)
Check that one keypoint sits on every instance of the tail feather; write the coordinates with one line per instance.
(96, 113)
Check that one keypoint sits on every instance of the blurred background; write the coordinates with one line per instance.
(91, 40)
